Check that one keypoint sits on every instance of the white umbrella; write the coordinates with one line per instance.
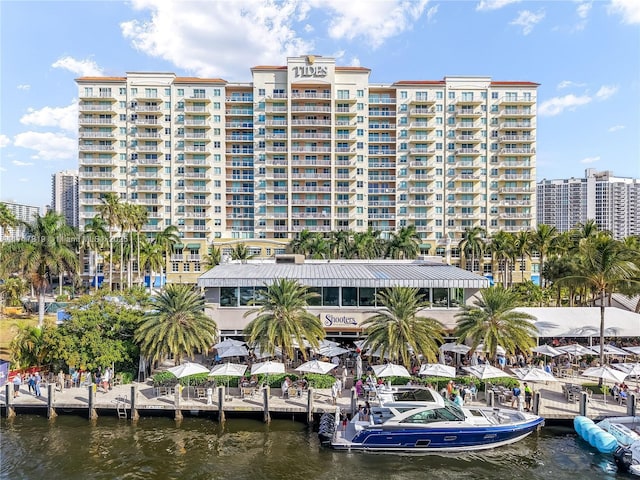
(534, 375)
(454, 347)
(228, 370)
(234, 351)
(332, 351)
(259, 354)
(390, 370)
(229, 342)
(186, 370)
(575, 349)
(631, 369)
(499, 350)
(634, 350)
(609, 350)
(266, 368)
(486, 371)
(316, 366)
(437, 370)
(605, 373)
(547, 350)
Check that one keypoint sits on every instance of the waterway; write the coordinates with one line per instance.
(70, 447)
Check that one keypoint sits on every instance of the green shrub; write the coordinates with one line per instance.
(597, 389)
(127, 377)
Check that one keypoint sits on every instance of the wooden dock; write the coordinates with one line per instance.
(91, 402)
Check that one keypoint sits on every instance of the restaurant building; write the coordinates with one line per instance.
(346, 289)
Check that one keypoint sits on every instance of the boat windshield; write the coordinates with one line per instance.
(444, 414)
(417, 395)
(454, 409)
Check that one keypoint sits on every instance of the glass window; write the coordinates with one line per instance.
(228, 297)
(440, 297)
(315, 300)
(330, 296)
(246, 295)
(366, 297)
(349, 296)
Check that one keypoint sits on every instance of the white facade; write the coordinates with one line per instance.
(64, 195)
(613, 202)
(22, 213)
(311, 145)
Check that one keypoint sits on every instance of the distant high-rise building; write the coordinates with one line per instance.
(612, 202)
(309, 146)
(23, 213)
(64, 195)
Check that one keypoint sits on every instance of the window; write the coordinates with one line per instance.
(349, 296)
(228, 297)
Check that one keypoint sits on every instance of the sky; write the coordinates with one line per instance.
(584, 54)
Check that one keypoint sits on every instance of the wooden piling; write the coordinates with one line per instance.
(135, 415)
(51, 393)
(8, 389)
(310, 406)
(93, 413)
(584, 398)
(536, 403)
(354, 401)
(221, 394)
(178, 397)
(266, 391)
(631, 404)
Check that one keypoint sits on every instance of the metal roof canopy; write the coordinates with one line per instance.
(344, 274)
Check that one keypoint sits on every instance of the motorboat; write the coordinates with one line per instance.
(419, 419)
(617, 435)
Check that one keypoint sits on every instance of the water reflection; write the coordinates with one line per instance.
(199, 448)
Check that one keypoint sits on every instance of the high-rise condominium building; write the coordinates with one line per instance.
(310, 145)
(64, 195)
(613, 202)
(22, 213)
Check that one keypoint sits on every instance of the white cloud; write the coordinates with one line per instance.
(18, 163)
(375, 22)
(308, 28)
(583, 9)
(527, 20)
(606, 91)
(432, 12)
(569, 83)
(494, 4)
(355, 62)
(615, 128)
(61, 117)
(628, 9)
(590, 160)
(557, 105)
(84, 68)
(4, 141)
(24, 86)
(48, 145)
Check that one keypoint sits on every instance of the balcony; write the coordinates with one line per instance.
(239, 99)
(469, 125)
(517, 151)
(310, 108)
(516, 125)
(419, 150)
(518, 112)
(239, 138)
(96, 121)
(307, 121)
(464, 112)
(146, 121)
(247, 125)
(197, 109)
(96, 107)
(373, 164)
(148, 187)
(304, 135)
(382, 100)
(381, 113)
(381, 139)
(234, 112)
(311, 149)
(149, 108)
(517, 138)
(92, 134)
(382, 152)
(155, 134)
(96, 161)
(148, 148)
(467, 151)
(96, 148)
(100, 187)
(325, 96)
(382, 126)
(421, 112)
(97, 175)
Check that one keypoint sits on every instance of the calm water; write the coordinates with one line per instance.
(71, 448)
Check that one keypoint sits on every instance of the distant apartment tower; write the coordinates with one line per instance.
(310, 146)
(22, 213)
(64, 195)
(612, 202)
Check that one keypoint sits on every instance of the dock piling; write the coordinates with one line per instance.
(8, 389)
(310, 406)
(221, 394)
(51, 393)
(536, 403)
(266, 391)
(178, 394)
(631, 404)
(93, 413)
(135, 416)
(583, 404)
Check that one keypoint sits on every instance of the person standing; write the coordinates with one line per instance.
(515, 396)
(38, 380)
(528, 396)
(106, 378)
(31, 383)
(17, 381)
(61, 381)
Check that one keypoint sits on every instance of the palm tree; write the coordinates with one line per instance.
(46, 251)
(175, 325)
(138, 220)
(605, 265)
(368, 244)
(405, 243)
(12, 290)
(110, 211)
(501, 248)
(94, 238)
(339, 243)
(492, 320)
(542, 241)
(472, 244)
(522, 244)
(300, 244)
(213, 257)
(282, 319)
(166, 240)
(29, 346)
(151, 259)
(398, 328)
(241, 252)
(7, 219)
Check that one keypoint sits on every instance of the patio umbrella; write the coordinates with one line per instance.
(390, 370)
(332, 351)
(634, 350)
(631, 369)
(187, 369)
(437, 370)
(265, 368)
(547, 350)
(605, 373)
(454, 347)
(486, 371)
(609, 350)
(316, 366)
(576, 350)
(259, 354)
(229, 342)
(533, 374)
(234, 351)
(499, 351)
(228, 370)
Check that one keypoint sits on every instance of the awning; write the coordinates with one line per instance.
(178, 246)
(193, 246)
(425, 246)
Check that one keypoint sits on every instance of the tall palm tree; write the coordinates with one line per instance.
(241, 252)
(166, 239)
(367, 245)
(46, 251)
(282, 319)
(605, 265)
(339, 242)
(94, 239)
(110, 211)
(405, 243)
(492, 320)
(472, 244)
(175, 325)
(7, 219)
(522, 244)
(213, 256)
(542, 241)
(139, 219)
(151, 259)
(301, 243)
(501, 247)
(398, 328)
